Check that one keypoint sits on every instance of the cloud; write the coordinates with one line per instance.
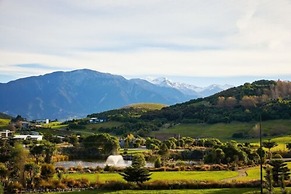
(34, 66)
(127, 37)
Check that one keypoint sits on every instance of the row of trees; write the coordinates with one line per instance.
(22, 167)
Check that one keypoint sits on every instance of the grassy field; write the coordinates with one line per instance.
(96, 126)
(167, 176)
(224, 131)
(184, 191)
(4, 122)
(134, 150)
(148, 106)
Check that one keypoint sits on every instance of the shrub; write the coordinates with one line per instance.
(116, 185)
(14, 187)
(158, 162)
(84, 182)
(69, 182)
(47, 171)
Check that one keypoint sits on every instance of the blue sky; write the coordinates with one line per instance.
(194, 41)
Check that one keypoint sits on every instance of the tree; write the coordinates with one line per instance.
(269, 179)
(19, 157)
(49, 150)
(164, 152)
(269, 145)
(219, 155)
(5, 151)
(138, 161)
(37, 151)
(3, 172)
(74, 140)
(158, 162)
(136, 174)
(31, 170)
(288, 145)
(47, 171)
(280, 171)
(101, 144)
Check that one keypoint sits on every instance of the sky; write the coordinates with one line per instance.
(200, 42)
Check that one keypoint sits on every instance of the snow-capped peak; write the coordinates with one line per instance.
(188, 88)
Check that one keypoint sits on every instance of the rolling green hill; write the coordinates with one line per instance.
(240, 131)
(233, 113)
(128, 113)
(4, 120)
(264, 99)
(230, 114)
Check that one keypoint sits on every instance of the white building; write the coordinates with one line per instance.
(6, 134)
(27, 137)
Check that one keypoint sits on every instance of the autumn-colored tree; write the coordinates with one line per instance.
(230, 102)
(249, 101)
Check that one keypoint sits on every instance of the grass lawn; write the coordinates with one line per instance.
(168, 176)
(134, 150)
(184, 191)
(253, 174)
(224, 131)
(4, 123)
(221, 131)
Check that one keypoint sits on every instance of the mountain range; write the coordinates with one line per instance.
(74, 94)
(189, 89)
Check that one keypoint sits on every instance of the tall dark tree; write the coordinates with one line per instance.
(136, 172)
(269, 179)
(269, 145)
(280, 171)
(49, 150)
(31, 170)
(37, 151)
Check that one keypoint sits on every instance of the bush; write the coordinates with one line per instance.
(14, 187)
(116, 185)
(84, 183)
(47, 171)
(158, 162)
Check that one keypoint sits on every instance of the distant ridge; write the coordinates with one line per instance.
(189, 89)
(74, 94)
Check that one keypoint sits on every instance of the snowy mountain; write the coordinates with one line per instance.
(189, 89)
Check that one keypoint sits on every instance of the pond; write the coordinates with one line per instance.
(112, 160)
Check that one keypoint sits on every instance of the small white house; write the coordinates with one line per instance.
(27, 137)
(96, 120)
(6, 134)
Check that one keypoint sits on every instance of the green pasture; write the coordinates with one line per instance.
(4, 122)
(54, 125)
(167, 176)
(96, 126)
(147, 106)
(224, 131)
(221, 131)
(184, 191)
(134, 150)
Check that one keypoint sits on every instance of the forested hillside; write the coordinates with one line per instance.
(265, 99)
(268, 100)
